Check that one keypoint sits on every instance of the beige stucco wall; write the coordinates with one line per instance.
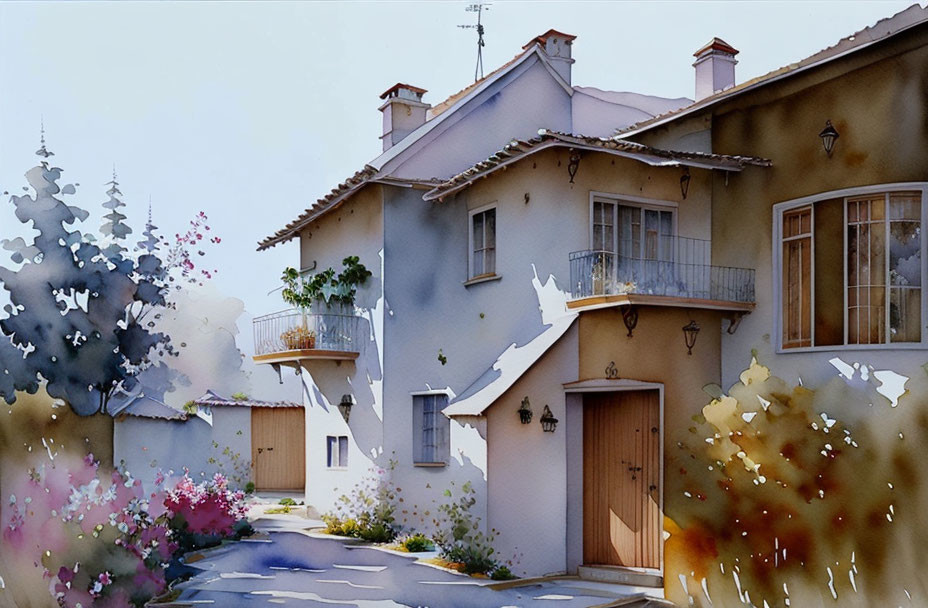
(656, 352)
(877, 99)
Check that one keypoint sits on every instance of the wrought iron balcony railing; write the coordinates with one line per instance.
(295, 330)
(664, 266)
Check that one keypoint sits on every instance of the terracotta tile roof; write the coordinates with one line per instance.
(543, 38)
(518, 149)
(401, 85)
(881, 30)
(211, 399)
(451, 100)
(329, 201)
(716, 44)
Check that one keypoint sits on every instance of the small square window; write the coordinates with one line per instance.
(337, 452)
(430, 429)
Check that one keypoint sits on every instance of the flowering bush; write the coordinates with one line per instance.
(458, 534)
(101, 540)
(367, 511)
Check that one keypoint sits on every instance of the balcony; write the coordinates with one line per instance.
(291, 336)
(663, 271)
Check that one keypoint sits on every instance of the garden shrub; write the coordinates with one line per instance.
(287, 501)
(458, 534)
(417, 543)
(781, 495)
(502, 573)
(101, 539)
(367, 511)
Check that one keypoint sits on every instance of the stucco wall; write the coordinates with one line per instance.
(656, 352)
(877, 102)
(355, 228)
(527, 474)
(430, 308)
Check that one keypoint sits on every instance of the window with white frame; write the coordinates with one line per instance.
(482, 256)
(337, 451)
(431, 428)
(632, 230)
(851, 268)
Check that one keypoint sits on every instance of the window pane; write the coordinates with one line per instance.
(905, 315)
(343, 451)
(478, 263)
(478, 231)
(330, 451)
(490, 261)
(490, 240)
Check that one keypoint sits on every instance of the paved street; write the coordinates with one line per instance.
(283, 565)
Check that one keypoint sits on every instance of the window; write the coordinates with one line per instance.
(430, 429)
(632, 231)
(851, 269)
(483, 242)
(337, 452)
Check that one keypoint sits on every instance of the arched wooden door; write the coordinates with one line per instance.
(621, 479)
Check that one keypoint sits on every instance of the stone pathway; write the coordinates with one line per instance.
(286, 565)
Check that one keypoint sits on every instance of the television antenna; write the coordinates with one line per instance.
(477, 8)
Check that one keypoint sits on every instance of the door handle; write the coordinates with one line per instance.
(260, 450)
(270, 449)
(652, 487)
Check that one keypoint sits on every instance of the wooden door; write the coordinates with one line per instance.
(278, 448)
(621, 479)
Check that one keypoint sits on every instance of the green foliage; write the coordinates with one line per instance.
(190, 408)
(287, 501)
(367, 512)
(458, 534)
(250, 487)
(502, 573)
(285, 510)
(417, 543)
(325, 286)
(441, 357)
(239, 397)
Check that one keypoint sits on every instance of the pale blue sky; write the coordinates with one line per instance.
(251, 111)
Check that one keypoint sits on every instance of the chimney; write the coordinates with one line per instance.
(403, 112)
(556, 45)
(715, 68)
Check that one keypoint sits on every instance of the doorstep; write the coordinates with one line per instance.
(639, 577)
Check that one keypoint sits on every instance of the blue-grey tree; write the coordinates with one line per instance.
(75, 321)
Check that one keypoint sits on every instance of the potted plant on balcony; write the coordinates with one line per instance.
(329, 295)
(299, 338)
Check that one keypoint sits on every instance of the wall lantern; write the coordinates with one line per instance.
(685, 182)
(573, 164)
(630, 318)
(548, 421)
(690, 331)
(525, 411)
(829, 136)
(344, 406)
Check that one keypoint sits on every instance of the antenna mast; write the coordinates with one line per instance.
(477, 8)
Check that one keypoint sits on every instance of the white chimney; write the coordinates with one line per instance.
(403, 112)
(715, 68)
(556, 46)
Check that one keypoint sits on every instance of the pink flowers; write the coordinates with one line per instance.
(209, 508)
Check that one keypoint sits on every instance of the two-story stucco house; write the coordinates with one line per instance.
(549, 299)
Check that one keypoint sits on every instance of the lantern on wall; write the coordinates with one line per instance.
(829, 136)
(548, 421)
(690, 331)
(573, 164)
(525, 411)
(685, 182)
(344, 406)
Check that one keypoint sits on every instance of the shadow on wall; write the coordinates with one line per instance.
(772, 499)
